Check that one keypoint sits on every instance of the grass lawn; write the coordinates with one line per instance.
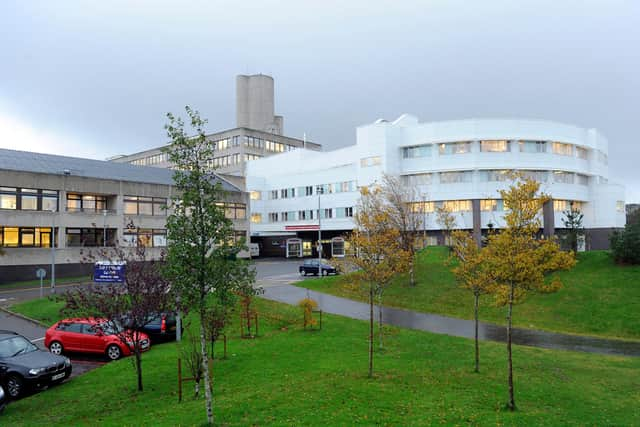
(46, 283)
(291, 377)
(598, 297)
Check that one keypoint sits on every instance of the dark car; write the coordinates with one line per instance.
(161, 328)
(24, 366)
(310, 266)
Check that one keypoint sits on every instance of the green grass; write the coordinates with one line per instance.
(598, 297)
(291, 377)
(46, 283)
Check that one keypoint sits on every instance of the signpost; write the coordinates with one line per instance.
(109, 272)
(41, 273)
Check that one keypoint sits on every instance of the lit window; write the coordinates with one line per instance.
(370, 161)
(620, 206)
(457, 205)
(491, 205)
(494, 146)
(255, 195)
(454, 148)
(562, 149)
(256, 218)
(422, 207)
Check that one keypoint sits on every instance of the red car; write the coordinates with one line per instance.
(91, 336)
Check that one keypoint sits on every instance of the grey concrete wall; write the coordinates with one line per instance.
(255, 103)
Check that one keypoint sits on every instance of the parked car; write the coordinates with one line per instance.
(161, 328)
(310, 266)
(24, 366)
(90, 336)
(3, 399)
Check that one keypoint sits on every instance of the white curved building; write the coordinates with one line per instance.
(458, 163)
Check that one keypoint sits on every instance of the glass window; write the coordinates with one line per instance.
(7, 201)
(145, 208)
(561, 177)
(88, 203)
(491, 205)
(457, 205)
(10, 236)
(29, 203)
(418, 179)
(454, 177)
(255, 195)
(562, 149)
(49, 203)
(131, 208)
(582, 179)
(454, 148)
(370, 161)
(493, 175)
(494, 146)
(256, 218)
(620, 206)
(417, 151)
(540, 176)
(533, 146)
(582, 153)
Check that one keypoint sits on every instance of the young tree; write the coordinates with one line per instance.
(573, 223)
(379, 254)
(403, 216)
(625, 244)
(202, 252)
(447, 221)
(472, 274)
(126, 308)
(518, 260)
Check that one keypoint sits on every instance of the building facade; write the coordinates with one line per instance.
(457, 164)
(258, 133)
(76, 204)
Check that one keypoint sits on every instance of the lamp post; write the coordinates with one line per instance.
(320, 191)
(104, 228)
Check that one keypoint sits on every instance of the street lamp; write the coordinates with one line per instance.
(53, 251)
(104, 228)
(319, 190)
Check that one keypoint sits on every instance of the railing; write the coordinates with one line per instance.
(92, 211)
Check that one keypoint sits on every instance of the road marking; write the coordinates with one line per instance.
(37, 339)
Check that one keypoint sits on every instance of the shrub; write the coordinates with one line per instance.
(625, 244)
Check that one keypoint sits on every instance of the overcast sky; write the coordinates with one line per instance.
(95, 79)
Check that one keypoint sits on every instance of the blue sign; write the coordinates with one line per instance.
(108, 272)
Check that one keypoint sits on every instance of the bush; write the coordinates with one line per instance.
(625, 245)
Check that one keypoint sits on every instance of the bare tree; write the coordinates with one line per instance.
(405, 215)
(447, 221)
(126, 308)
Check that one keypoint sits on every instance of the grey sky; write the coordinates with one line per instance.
(94, 79)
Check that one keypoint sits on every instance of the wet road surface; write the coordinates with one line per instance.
(452, 326)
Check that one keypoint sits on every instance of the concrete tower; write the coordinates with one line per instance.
(255, 104)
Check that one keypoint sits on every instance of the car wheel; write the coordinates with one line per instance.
(114, 352)
(303, 273)
(56, 347)
(325, 273)
(15, 386)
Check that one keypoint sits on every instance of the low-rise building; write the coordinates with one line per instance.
(79, 203)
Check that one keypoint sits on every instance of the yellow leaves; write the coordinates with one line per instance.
(308, 305)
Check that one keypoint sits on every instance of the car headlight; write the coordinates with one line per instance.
(67, 362)
(36, 371)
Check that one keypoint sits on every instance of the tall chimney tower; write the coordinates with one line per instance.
(255, 104)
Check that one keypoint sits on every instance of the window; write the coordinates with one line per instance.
(533, 146)
(491, 205)
(417, 151)
(249, 157)
(561, 177)
(582, 179)
(145, 237)
(454, 148)
(89, 203)
(255, 195)
(493, 175)
(494, 146)
(620, 206)
(582, 153)
(308, 190)
(562, 149)
(453, 177)
(327, 213)
(234, 210)
(370, 161)
(418, 179)
(540, 176)
(344, 212)
(273, 217)
(29, 199)
(457, 205)
(89, 237)
(256, 218)
(422, 207)
(138, 205)
(274, 194)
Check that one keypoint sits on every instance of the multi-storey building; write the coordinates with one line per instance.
(458, 164)
(258, 132)
(80, 203)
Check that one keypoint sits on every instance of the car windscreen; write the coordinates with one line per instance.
(14, 346)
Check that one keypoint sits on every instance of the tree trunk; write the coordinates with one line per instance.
(371, 331)
(412, 275)
(138, 364)
(380, 331)
(477, 297)
(208, 390)
(512, 403)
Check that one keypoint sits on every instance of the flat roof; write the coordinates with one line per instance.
(26, 161)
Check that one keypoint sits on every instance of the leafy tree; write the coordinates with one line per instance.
(518, 260)
(472, 273)
(447, 221)
(379, 254)
(625, 244)
(573, 223)
(403, 216)
(202, 252)
(127, 307)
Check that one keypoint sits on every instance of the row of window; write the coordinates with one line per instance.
(495, 175)
(28, 237)
(265, 144)
(224, 161)
(234, 210)
(500, 146)
(486, 205)
(309, 190)
(138, 205)
(28, 199)
(151, 160)
(304, 215)
(40, 237)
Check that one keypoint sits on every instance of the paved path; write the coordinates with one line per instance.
(452, 326)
